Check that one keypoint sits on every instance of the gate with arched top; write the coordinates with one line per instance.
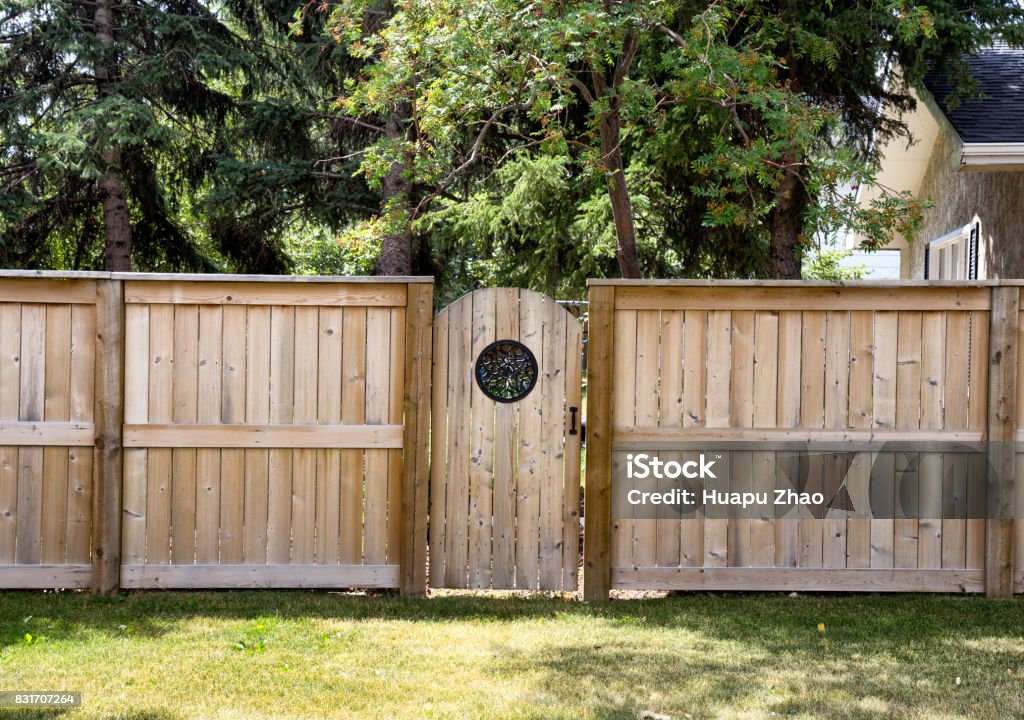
(505, 443)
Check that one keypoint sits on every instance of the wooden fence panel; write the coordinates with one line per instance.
(820, 364)
(47, 361)
(265, 447)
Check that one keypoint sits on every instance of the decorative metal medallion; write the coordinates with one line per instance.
(506, 371)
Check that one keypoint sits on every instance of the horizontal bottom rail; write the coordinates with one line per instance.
(259, 576)
(799, 579)
(45, 577)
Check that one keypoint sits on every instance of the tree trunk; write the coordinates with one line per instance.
(396, 247)
(618, 194)
(117, 222)
(786, 228)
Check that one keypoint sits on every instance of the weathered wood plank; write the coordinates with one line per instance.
(532, 433)
(378, 339)
(623, 410)
(353, 411)
(506, 442)
(257, 410)
(328, 463)
(439, 447)
(282, 401)
(263, 293)
(183, 460)
(416, 441)
(646, 379)
(482, 440)
(208, 466)
(1002, 425)
(571, 479)
(799, 580)
(214, 577)
(107, 464)
(232, 476)
(751, 297)
(600, 371)
(56, 406)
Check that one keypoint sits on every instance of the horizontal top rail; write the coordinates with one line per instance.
(214, 277)
(56, 274)
(835, 284)
(210, 277)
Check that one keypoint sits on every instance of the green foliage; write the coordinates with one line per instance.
(218, 119)
(826, 264)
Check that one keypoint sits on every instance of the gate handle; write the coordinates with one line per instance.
(572, 415)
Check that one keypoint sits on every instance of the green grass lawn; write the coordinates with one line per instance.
(157, 656)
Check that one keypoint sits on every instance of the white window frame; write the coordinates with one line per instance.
(949, 257)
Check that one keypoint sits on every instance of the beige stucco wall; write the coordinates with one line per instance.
(997, 198)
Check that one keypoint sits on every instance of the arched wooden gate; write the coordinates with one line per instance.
(505, 451)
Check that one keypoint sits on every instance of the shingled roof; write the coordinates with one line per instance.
(999, 116)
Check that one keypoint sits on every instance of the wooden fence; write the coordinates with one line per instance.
(217, 431)
(769, 362)
(274, 431)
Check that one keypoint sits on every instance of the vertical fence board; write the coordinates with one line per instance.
(233, 410)
(396, 416)
(884, 416)
(571, 480)
(837, 410)
(282, 401)
(378, 335)
(597, 559)
(183, 460)
(56, 407)
(553, 395)
(695, 328)
(416, 440)
(109, 418)
(210, 377)
(353, 411)
(623, 410)
(481, 463)
(1002, 428)
(670, 414)
(257, 410)
(81, 409)
(908, 417)
(741, 415)
(439, 446)
(328, 468)
(506, 442)
(532, 433)
(766, 368)
(136, 410)
(304, 530)
(644, 540)
(10, 381)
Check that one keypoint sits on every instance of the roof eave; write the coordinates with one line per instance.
(983, 157)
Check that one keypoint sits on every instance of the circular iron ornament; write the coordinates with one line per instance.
(506, 371)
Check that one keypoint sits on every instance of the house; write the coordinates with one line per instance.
(968, 159)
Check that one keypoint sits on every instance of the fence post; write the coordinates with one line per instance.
(1002, 431)
(108, 417)
(419, 320)
(597, 526)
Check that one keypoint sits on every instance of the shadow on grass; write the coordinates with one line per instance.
(731, 672)
(774, 622)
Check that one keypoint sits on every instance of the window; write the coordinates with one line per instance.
(954, 256)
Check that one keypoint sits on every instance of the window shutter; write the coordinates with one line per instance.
(972, 253)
